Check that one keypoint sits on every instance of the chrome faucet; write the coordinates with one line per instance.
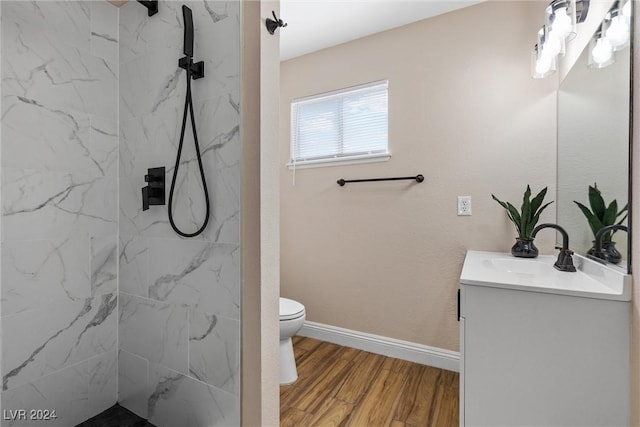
(599, 254)
(564, 261)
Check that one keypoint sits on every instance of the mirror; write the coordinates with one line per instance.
(593, 147)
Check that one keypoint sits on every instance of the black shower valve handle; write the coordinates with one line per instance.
(196, 69)
(153, 193)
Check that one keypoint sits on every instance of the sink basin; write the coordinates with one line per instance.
(591, 280)
(522, 266)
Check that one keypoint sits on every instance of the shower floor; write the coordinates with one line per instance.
(116, 416)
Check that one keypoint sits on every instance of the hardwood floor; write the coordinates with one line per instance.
(341, 386)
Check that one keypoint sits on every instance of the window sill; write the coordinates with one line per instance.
(339, 161)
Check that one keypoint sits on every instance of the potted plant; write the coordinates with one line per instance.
(525, 221)
(602, 215)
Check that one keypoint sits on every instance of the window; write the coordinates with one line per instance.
(345, 125)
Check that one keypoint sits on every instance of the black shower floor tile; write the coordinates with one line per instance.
(116, 416)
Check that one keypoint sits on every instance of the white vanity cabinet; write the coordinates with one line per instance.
(541, 347)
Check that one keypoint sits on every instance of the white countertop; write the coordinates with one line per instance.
(502, 270)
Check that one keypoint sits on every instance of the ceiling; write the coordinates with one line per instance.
(318, 24)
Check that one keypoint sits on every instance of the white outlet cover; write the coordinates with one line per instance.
(464, 205)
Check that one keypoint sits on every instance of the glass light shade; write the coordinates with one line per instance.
(554, 43)
(560, 18)
(542, 63)
(600, 52)
(617, 32)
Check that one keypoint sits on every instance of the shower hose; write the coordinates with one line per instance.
(188, 106)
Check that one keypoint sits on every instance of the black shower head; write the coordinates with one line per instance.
(188, 31)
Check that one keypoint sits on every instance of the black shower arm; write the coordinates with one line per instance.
(151, 5)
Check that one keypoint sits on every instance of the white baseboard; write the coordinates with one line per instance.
(405, 350)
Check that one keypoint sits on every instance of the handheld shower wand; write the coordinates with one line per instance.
(194, 71)
(188, 31)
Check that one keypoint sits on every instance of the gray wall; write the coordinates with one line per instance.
(59, 208)
(179, 334)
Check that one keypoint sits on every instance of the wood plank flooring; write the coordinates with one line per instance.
(345, 387)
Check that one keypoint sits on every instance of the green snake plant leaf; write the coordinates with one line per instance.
(526, 211)
(535, 220)
(623, 210)
(596, 201)
(610, 214)
(526, 219)
(537, 201)
(594, 222)
(621, 221)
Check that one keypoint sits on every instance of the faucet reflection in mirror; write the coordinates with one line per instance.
(561, 17)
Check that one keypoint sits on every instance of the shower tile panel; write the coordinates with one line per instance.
(65, 391)
(151, 81)
(134, 266)
(104, 265)
(39, 342)
(151, 140)
(154, 330)
(199, 274)
(133, 372)
(221, 60)
(59, 206)
(104, 146)
(220, 142)
(214, 350)
(61, 140)
(180, 298)
(103, 382)
(49, 205)
(178, 400)
(67, 22)
(37, 273)
(42, 69)
(104, 31)
(140, 35)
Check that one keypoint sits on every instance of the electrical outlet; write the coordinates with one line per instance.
(464, 205)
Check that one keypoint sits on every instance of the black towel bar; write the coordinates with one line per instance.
(417, 178)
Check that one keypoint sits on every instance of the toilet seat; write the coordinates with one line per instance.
(290, 309)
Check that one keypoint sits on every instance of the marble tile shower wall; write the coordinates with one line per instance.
(179, 330)
(59, 239)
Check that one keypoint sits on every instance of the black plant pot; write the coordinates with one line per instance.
(524, 248)
(611, 254)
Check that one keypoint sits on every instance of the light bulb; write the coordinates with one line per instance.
(602, 51)
(553, 44)
(626, 9)
(618, 31)
(543, 63)
(561, 23)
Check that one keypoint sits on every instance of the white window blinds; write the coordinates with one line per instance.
(342, 125)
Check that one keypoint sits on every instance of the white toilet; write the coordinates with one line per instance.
(292, 317)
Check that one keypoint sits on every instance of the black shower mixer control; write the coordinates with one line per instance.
(197, 68)
(153, 193)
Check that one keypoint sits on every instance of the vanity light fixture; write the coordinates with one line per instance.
(613, 35)
(561, 17)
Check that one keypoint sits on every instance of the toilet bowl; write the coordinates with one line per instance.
(292, 315)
